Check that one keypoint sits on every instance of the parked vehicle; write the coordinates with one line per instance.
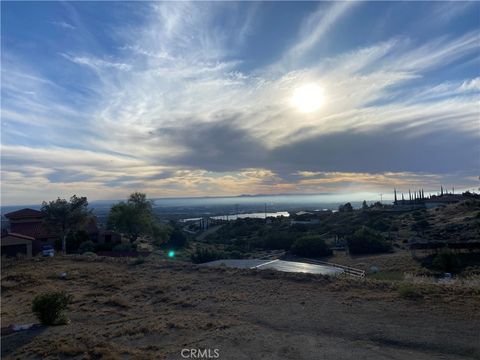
(48, 250)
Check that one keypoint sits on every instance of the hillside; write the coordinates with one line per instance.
(157, 308)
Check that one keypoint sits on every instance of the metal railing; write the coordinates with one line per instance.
(347, 269)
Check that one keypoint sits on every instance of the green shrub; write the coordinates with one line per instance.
(420, 226)
(367, 241)
(50, 308)
(177, 239)
(279, 240)
(74, 239)
(310, 246)
(446, 261)
(205, 255)
(90, 254)
(86, 246)
(124, 247)
(138, 261)
(409, 291)
(104, 247)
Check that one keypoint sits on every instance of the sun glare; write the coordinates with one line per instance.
(308, 98)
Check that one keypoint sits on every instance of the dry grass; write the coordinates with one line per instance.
(153, 310)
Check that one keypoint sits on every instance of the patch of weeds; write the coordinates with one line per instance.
(118, 302)
(138, 261)
(409, 291)
(387, 276)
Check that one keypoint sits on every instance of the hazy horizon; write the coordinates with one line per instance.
(203, 99)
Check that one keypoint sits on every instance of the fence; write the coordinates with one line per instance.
(347, 269)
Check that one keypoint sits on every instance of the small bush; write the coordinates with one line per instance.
(279, 240)
(86, 246)
(138, 261)
(124, 247)
(89, 254)
(446, 261)
(50, 308)
(367, 241)
(409, 291)
(104, 247)
(205, 255)
(310, 246)
(177, 239)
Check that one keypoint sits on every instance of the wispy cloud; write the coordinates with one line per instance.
(95, 63)
(63, 25)
(316, 27)
(175, 111)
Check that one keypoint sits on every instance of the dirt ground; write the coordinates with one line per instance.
(155, 309)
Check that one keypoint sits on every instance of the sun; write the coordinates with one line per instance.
(308, 98)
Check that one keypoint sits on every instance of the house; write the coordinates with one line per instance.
(441, 200)
(29, 223)
(13, 244)
(109, 237)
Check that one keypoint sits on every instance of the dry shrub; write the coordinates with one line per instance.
(409, 291)
(118, 301)
(50, 308)
(13, 281)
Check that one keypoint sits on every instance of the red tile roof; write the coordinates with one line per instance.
(24, 213)
(21, 236)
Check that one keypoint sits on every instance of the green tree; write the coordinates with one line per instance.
(133, 217)
(346, 207)
(447, 261)
(74, 239)
(161, 234)
(367, 241)
(310, 246)
(63, 216)
(364, 205)
(177, 238)
(420, 226)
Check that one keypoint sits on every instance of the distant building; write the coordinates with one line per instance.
(435, 201)
(14, 244)
(417, 199)
(29, 222)
(27, 225)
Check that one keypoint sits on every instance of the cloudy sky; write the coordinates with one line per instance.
(187, 99)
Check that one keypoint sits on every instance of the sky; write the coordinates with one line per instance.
(174, 99)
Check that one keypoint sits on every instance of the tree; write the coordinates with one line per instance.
(345, 208)
(310, 246)
(133, 217)
(420, 226)
(74, 239)
(364, 205)
(367, 241)
(64, 216)
(177, 238)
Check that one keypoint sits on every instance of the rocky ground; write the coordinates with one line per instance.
(154, 309)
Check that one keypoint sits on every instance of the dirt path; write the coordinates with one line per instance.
(156, 310)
